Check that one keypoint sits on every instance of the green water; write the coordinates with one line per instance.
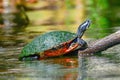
(104, 18)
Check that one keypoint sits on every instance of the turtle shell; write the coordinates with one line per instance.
(45, 42)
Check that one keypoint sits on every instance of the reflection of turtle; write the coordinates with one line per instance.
(55, 43)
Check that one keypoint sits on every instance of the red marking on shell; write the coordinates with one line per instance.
(59, 51)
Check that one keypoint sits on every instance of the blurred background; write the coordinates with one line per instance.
(23, 20)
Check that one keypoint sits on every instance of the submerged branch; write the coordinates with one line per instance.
(102, 44)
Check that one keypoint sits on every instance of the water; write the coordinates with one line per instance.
(98, 67)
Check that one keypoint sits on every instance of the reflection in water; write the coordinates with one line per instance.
(100, 67)
(12, 16)
(53, 69)
(82, 68)
(60, 68)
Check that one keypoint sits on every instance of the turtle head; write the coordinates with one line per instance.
(78, 42)
(82, 28)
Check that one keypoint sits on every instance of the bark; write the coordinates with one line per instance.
(102, 44)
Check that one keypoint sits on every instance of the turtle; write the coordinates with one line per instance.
(55, 43)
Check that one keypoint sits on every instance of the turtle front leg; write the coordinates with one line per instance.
(76, 44)
(82, 44)
(72, 47)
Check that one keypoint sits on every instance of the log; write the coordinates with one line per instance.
(95, 47)
(102, 44)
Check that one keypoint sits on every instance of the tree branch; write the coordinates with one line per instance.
(102, 44)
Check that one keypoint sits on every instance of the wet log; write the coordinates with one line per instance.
(102, 44)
